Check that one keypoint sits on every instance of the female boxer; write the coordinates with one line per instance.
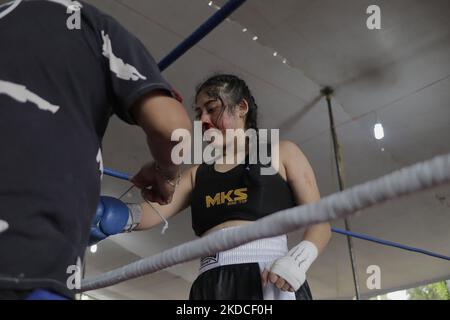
(225, 196)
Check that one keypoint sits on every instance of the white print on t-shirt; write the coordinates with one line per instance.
(12, 6)
(123, 70)
(100, 163)
(22, 94)
(3, 226)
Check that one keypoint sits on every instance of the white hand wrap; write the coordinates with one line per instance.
(294, 265)
(134, 218)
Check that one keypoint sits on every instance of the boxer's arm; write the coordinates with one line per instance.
(302, 181)
(114, 216)
(289, 272)
(180, 201)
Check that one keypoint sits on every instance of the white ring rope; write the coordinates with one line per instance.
(405, 181)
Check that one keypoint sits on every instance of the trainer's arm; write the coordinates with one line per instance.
(159, 115)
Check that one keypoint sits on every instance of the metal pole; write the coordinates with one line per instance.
(327, 92)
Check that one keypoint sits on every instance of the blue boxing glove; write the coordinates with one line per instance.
(113, 217)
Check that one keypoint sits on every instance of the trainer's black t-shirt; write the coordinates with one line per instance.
(58, 89)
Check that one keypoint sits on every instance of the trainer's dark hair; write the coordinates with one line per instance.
(230, 90)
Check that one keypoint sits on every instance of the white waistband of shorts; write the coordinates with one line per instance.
(258, 251)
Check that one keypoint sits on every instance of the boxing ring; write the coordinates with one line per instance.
(406, 181)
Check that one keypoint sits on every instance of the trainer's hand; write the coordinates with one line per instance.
(156, 185)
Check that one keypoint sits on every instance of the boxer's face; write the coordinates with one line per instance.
(214, 115)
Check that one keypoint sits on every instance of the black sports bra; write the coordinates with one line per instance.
(242, 193)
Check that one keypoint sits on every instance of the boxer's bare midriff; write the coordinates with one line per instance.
(226, 224)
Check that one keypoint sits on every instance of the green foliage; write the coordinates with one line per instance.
(434, 291)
